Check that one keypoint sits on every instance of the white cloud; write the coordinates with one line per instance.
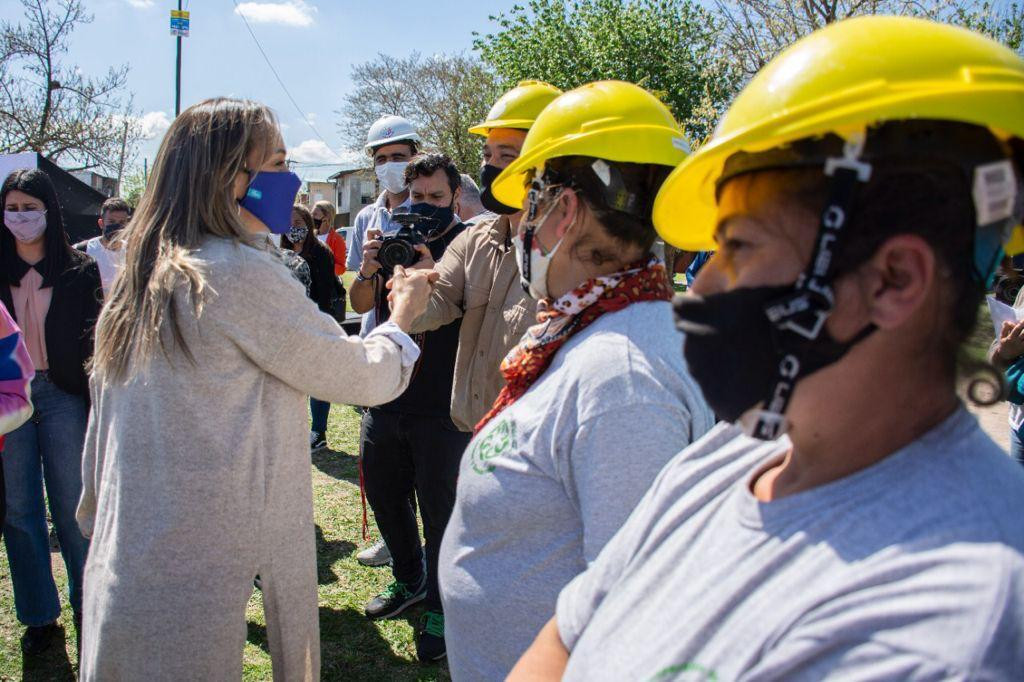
(289, 13)
(153, 124)
(141, 4)
(314, 151)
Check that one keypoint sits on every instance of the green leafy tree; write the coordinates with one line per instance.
(1002, 21)
(132, 187)
(670, 47)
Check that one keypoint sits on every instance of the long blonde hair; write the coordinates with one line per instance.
(190, 195)
(328, 211)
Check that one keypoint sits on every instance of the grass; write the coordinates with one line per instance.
(346, 279)
(351, 647)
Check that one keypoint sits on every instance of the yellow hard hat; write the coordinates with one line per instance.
(518, 108)
(842, 79)
(608, 120)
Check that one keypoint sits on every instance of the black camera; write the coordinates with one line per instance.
(400, 248)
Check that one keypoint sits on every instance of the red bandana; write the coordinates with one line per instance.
(570, 314)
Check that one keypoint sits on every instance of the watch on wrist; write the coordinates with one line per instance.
(360, 277)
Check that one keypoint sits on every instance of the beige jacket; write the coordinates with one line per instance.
(196, 478)
(479, 282)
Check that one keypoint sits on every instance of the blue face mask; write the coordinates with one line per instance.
(270, 198)
(440, 216)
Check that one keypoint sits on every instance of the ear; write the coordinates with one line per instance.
(456, 195)
(239, 184)
(99, 222)
(897, 280)
(568, 210)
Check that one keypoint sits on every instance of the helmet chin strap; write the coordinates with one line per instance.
(799, 317)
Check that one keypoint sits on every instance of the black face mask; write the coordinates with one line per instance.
(487, 175)
(735, 352)
(435, 218)
(111, 231)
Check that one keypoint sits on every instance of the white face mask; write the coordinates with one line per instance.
(26, 226)
(392, 176)
(533, 265)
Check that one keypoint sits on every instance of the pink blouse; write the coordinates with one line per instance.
(31, 303)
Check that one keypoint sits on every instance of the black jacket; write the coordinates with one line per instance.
(70, 321)
(324, 286)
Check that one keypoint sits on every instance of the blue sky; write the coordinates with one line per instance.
(312, 44)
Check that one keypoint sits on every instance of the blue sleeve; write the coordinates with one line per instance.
(1015, 381)
(354, 257)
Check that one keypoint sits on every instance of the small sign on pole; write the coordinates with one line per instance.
(179, 23)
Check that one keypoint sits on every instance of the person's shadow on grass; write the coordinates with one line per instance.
(352, 647)
(50, 666)
(328, 552)
(337, 464)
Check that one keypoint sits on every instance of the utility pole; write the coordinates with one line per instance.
(120, 165)
(177, 75)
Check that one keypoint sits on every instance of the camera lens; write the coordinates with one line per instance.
(395, 252)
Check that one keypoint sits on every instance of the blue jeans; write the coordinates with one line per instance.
(319, 410)
(1016, 446)
(48, 447)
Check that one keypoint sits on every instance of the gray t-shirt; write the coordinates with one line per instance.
(550, 479)
(911, 569)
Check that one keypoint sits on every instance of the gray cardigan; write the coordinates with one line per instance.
(197, 477)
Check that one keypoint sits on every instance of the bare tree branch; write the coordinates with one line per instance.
(52, 108)
(442, 95)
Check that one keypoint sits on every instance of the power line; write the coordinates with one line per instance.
(280, 82)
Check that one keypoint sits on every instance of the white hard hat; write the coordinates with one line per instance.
(390, 129)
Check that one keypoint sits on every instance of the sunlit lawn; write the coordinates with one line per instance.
(352, 648)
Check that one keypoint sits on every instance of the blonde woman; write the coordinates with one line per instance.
(196, 464)
(323, 217)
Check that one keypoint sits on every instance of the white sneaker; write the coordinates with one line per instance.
(376, 554)
(317, 441)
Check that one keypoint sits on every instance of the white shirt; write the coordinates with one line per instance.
(109, 261)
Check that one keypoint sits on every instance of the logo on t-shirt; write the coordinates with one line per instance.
(685, 672)
(499, 439)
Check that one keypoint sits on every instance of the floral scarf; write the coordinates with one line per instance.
(557, 322)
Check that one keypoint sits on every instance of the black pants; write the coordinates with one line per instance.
(402, 453)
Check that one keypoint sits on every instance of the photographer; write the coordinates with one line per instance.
(479, 281)
(411, 443)
(391, 142)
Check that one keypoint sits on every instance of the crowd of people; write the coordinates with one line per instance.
(769, 477)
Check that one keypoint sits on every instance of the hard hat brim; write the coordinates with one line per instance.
(484, 129)
(393, 140)
(652, 143)
(685, 210)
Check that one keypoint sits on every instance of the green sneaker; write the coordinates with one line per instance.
(430, 637)
(397, 597)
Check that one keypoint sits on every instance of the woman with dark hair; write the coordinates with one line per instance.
(323, 289)
(54, 294)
